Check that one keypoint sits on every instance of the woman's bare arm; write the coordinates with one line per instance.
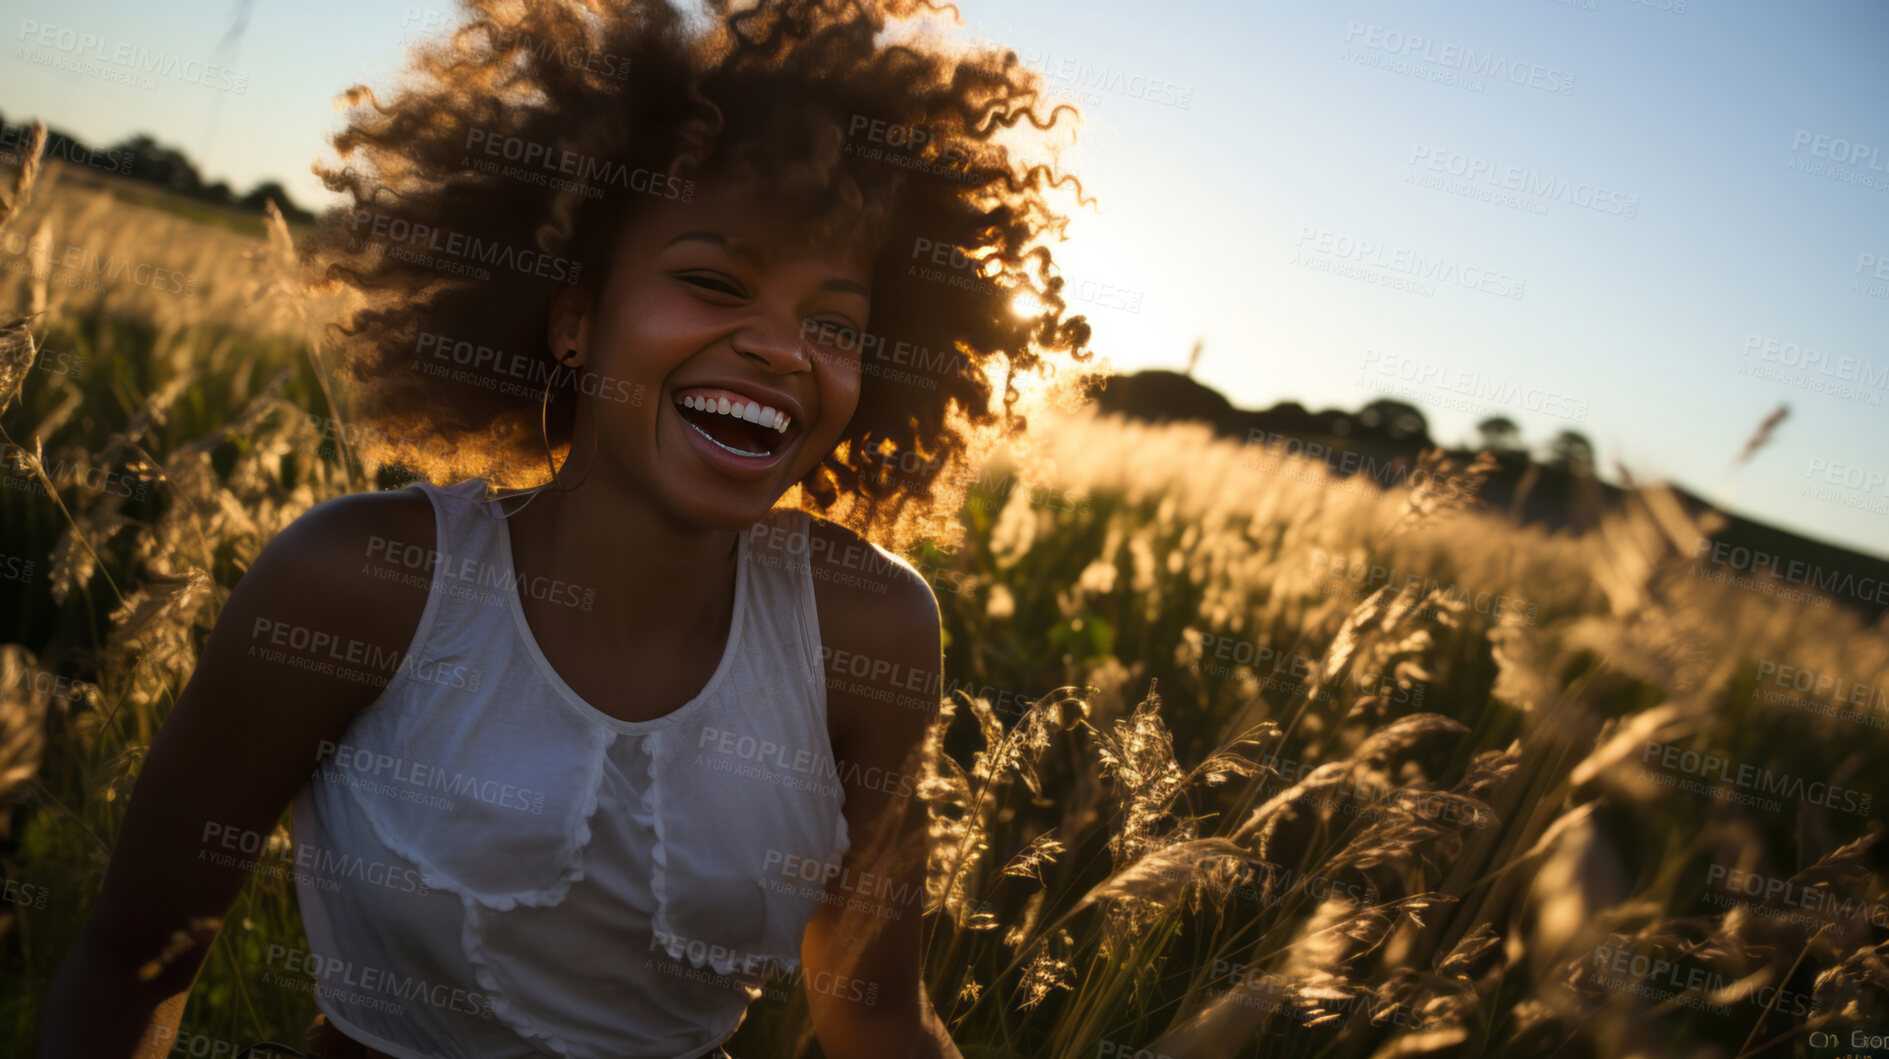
(242, 738)
(863, 954)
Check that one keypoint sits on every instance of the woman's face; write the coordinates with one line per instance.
(716, 344)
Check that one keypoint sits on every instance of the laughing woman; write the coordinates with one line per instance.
(612, 715)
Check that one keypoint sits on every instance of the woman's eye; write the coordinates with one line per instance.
(714, 283)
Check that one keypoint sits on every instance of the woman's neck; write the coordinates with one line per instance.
(645, 573)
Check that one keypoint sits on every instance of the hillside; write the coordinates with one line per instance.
(1383, 439)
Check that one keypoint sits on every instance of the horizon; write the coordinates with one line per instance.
(1675, 210)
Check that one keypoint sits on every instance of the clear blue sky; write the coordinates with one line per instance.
(1243, 217)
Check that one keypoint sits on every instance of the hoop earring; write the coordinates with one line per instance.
(544, 434)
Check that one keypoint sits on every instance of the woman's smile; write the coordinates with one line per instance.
(731, 435)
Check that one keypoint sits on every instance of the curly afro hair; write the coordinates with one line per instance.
(522, 141)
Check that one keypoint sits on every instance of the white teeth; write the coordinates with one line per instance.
(751, 411)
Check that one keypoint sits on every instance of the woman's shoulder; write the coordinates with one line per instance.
(873, 605)
(337, 568)
(862, 576)
(358, 525)
(881, 649)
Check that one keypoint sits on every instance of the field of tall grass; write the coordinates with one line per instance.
(1239, 759)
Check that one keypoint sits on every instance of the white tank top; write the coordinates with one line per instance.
(489, 866)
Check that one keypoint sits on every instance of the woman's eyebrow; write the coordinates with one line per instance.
(736, 247)
(846, 286)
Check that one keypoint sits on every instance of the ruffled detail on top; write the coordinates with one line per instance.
(569, 862)
(664, 934)
(570, 871)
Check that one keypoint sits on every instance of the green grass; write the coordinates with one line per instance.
(1479, 797)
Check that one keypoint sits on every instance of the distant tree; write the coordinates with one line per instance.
(269, 189)
(1571, 452)
(1401, 421)
(161, 165)
(1500, 434)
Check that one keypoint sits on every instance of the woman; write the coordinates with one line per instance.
(581, 751)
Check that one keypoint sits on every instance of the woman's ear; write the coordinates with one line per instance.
(569, 326)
